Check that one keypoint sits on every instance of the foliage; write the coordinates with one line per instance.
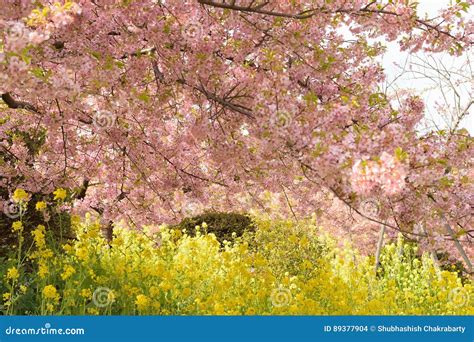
(291, 270)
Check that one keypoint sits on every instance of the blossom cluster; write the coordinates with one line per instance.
(39, 25)
(185, 105)
(386, 173)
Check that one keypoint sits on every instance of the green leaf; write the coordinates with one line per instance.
(445, 182)
(377, 99)
(400, 154)
(144, 97)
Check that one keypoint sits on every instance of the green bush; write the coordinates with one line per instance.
(222, 225)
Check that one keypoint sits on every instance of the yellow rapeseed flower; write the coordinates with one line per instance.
(251, 311)
(187, 292)
(20, 195)
(68, 272)
(92, 311)
(41, 205)
(111, 297)
(86, 293)
(38, 236)
(142, 302)
(17, 226)
(169, 280)
(60, 194)
(82, 253)
(67, 248)
(156, 305)
(50, 292)
(43, 271)
(154, 291)
(13, 273)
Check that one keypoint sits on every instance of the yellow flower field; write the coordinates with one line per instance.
(283, 268)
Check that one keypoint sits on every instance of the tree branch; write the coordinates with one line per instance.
(259, 9)
(223, 102)
(14, 104)
(256, 9)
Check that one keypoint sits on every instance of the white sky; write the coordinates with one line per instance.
(425, 87)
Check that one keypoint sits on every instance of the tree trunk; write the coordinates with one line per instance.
(457, 244)
(379, 248)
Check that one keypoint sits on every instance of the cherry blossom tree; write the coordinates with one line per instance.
(155, 109)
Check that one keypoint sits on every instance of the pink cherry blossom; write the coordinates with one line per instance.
(150, 105)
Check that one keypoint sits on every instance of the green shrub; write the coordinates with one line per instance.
(225, 226)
